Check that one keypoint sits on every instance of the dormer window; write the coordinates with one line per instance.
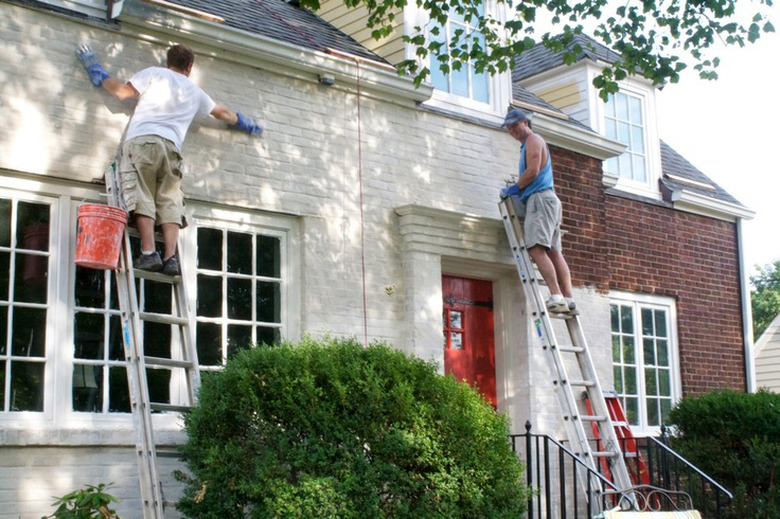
(464, 91)
(624, 122)
(465, 82)
(626, 117)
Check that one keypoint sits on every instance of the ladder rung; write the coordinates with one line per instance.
(571, 349)
(604, 454)
(586, 383)
(169, 363)
(164, 319)
(158, 406)
(156, 276)
(593, 418)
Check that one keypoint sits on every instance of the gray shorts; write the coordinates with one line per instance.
(150, 170)
(543, 215)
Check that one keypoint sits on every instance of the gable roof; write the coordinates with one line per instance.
(282, 21)
(539, 58)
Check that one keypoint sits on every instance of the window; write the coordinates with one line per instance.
(465, 91)
(624, 121)
(61, 349)
(239, 291)
(453, 329)
(25, 306)
(466, 81)
(644, 360)
(99, 383)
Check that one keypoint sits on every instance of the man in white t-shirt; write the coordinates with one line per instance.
(150, 159)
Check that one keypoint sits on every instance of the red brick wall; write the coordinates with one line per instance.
(620, 243)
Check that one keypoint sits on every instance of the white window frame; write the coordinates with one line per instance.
(282, 227)
(58, 424)
(639, 302)
(499, 85)
(646, 95)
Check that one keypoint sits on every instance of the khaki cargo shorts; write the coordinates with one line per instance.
(543, 216)
(150, 170)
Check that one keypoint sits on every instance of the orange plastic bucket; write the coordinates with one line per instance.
(99, 239)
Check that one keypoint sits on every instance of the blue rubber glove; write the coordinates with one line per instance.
(510, 191)
(91, 64)
(248, 125)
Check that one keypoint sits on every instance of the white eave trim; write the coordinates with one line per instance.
(375, 78)
(574, 138)
(698, 204)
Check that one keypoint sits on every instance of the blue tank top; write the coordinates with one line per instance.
(544, 180)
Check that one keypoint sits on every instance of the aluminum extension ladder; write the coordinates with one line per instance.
(574, 413)
(132, 319)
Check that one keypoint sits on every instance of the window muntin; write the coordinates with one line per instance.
(99, 382)
(466, 81)
(24, 303)
(239, 280)
(624, 121)
(643, 362)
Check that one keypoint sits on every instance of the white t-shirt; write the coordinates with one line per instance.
(169, 102)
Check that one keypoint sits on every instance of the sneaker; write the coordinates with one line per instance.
(573, 310)
(557, 307)
(150, 262)
(171, 267)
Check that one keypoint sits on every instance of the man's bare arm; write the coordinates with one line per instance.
(225, 115)
(121, 91)
(534, 148)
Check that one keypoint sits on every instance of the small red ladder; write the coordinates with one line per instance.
(637, 467)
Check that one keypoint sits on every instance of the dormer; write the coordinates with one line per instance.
(648, 167)
(462, 92)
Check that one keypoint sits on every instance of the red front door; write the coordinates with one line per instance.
(469, 347)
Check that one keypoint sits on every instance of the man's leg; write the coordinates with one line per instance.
(145, 227)
(170, 232)
(541, 257)
(562, 273)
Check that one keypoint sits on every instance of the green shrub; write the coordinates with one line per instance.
(333, 430)
(734, 438)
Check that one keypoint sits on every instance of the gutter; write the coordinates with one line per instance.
(707, 206)
(747, 316)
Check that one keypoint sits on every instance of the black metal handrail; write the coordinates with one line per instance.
(668, 469)
(551, 470)
(564, 485)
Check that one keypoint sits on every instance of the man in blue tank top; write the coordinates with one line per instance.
(543, 212)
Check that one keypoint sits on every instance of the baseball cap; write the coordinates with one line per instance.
(514, 115)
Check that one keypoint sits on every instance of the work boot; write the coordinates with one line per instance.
(171, 267)
(148, 262)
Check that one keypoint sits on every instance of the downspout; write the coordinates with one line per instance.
(747, 315)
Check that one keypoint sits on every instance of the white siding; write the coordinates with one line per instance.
(768, 358)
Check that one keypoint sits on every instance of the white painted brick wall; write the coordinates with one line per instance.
(32, 477)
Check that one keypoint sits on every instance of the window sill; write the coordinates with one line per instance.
(117, 432)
